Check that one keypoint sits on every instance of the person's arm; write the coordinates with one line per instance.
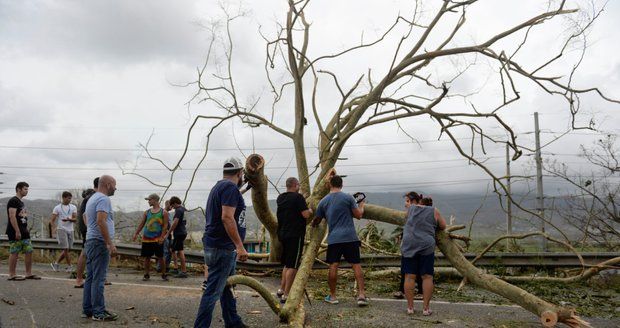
(306, 213)
(164, 231)
(441, 222)
(102, 217)
(53, 218)
(140, 226)
(228, 219)
(85, 218)
(358, 211)
(173, 226)
(73, 215)
(13, 222)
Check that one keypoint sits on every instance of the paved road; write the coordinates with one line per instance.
(53, 302)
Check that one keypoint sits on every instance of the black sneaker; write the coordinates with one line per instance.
(204, 285)
(86, 315)
(146, 277)
(106, 316)
(164, 277)
(181, 275)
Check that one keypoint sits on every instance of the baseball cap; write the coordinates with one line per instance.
(232, 164)
(152, 196)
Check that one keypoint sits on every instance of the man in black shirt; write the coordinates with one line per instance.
(82, 225)
(19, 236)
(179, 232)
(292, 215)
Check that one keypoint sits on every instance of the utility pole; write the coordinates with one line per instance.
(539, 184)
(508, 200)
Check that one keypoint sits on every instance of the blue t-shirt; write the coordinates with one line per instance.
(337, 209)
(224, 193)
(99, 202)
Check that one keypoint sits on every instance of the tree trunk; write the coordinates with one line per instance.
(255, 173)
(548, 313)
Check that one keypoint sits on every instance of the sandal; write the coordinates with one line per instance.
(78, 286)
(33, 277)
(107, 283)
(410, 311)
(16, 278)
(427, 312)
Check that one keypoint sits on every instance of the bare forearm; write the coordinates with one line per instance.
(103, 227)
(231, 229)
(13, 220)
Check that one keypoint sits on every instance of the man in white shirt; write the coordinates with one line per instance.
(66, 214)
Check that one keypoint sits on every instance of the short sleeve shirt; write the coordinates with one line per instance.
(291, 224)
(180, 229)
(224, 193)
(64, 212)
(99, 202)
(20, 215)
(337, 209)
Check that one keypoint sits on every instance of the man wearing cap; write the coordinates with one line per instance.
(223, 245)
(154, 226)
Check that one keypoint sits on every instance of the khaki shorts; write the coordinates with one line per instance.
(65, 238)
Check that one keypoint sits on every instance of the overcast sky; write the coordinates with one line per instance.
(83, 83)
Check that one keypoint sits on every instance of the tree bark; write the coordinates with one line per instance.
(548, 313)
(255, 173)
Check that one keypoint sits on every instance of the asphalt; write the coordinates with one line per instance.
(53, 302)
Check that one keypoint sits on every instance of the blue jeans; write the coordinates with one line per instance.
(221, 264)
(167, 255)
(97, 259)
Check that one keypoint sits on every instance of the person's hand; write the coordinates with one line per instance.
(315, 222)
(112, 249)
(161, 240)
(18, 235)
(242, 254)
(134, 237)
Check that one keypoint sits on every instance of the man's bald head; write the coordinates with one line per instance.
(107, 185)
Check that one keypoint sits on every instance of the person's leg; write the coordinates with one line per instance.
(79, 273)
(332, 279)
(227, 300)
(290, 277)
(87, 306)
(14, 249)
(219, 267)
(182, 260)
(427, 282)
(409, 289)
(283, 280)
(28, 263)
(359, 277)
(419, 285)
(100, 261)
(147, 266)
(69, 246)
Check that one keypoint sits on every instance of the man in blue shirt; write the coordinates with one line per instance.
(223, 245)
(99, 247)
(339, 209)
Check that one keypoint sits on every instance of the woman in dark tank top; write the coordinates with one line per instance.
(418, 247)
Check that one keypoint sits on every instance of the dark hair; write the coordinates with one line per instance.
(412, 195)
(21, 185)
(96, 182)
(66, 194)
(290, 182)
(87, 192)
(427, 201)
(175, 200)
(230, 173)
(336, 181)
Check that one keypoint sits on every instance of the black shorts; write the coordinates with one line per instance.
(418, 265)
(83, 235)
(292, 249)
(350, 251)
(177, 243)
(150, 249)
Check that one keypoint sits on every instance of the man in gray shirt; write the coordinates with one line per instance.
(339, 209)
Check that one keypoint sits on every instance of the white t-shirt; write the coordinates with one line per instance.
(64, 212)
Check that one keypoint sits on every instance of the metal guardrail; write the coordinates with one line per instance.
(547, 260)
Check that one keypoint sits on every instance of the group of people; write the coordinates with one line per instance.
(225, 230)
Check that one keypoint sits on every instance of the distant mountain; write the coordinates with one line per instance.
(489, 218)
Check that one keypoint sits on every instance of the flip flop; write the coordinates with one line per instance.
(16, 278)
(107, 283)
(33, 277)
(78, 286)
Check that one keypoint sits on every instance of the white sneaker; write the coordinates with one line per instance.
(69, 268)
(55, 266)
